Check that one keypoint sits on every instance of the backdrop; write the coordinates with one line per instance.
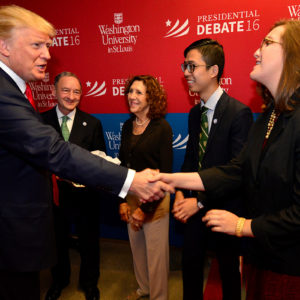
(105, 42)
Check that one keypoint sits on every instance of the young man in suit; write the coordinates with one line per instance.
(218, 128)
(30, 150)
(77, 205)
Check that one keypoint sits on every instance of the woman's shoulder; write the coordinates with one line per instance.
(161, 121)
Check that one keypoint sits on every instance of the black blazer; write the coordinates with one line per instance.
(153, 150)
(28, 149)
(229, 130)
(270, 180)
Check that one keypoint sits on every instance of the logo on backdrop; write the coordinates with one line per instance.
(42, 93)
(179, 142)
(294, 11)
(66, 37)
(95, 90)
(119, 38)
(118, 17)
(177, 30)
(228, 22)
(226, 83)
(114, 140)
(118, 85)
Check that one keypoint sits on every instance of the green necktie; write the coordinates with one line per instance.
(64, 128)
(203, 135)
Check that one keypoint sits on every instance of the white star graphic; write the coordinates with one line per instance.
(168, 23)
(88, 83)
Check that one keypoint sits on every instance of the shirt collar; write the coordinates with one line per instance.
(213, 99)
(16, 78)
(71, 115)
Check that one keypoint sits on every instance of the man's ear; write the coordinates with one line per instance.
(4, 48)
(214, 71)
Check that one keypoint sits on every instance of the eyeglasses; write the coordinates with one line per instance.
(267, 41)
(191, 67)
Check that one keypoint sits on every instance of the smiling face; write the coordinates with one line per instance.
(204, 79)
(68, 93)
(137, 99)
(269, 60)
(26, 53)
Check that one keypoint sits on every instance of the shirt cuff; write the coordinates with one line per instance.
(127, 183)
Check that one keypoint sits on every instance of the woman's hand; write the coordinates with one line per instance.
(221, 221)
(124, 211)
(137, 219)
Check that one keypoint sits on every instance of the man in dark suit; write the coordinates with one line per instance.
(227, 122)
(77, 205)
(30, 150)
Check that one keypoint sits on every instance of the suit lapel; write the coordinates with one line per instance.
(277, 130)
(53, 120)
(217, 119)
(76, 132)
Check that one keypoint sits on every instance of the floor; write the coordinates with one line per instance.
(117, 278)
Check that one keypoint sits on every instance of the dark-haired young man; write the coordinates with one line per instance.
(218, 128)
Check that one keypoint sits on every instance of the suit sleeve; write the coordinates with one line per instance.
(218, 181)
(23, 134)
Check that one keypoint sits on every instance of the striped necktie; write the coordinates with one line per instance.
(64, 128)
(203, 135)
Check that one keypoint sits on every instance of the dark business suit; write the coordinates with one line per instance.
(270, 182)
(78, 205)
(229, 129)
(28, 149)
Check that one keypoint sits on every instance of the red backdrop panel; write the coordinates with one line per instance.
(104, 42)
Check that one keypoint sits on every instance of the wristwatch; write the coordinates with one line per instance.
(199, 204)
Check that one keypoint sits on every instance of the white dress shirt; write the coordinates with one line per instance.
(211, 104)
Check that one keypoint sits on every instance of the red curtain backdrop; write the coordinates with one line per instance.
(104, 42)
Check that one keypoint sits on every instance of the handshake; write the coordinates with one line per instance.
(150, 185)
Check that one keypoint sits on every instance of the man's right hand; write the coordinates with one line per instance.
(147, 190)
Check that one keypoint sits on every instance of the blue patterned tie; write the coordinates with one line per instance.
(203, 135)
(64, 128)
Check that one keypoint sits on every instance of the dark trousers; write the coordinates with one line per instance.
(196, 239)
(82, 210)
(19, 285)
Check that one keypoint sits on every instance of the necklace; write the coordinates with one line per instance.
(142, 123)
(271, 123)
